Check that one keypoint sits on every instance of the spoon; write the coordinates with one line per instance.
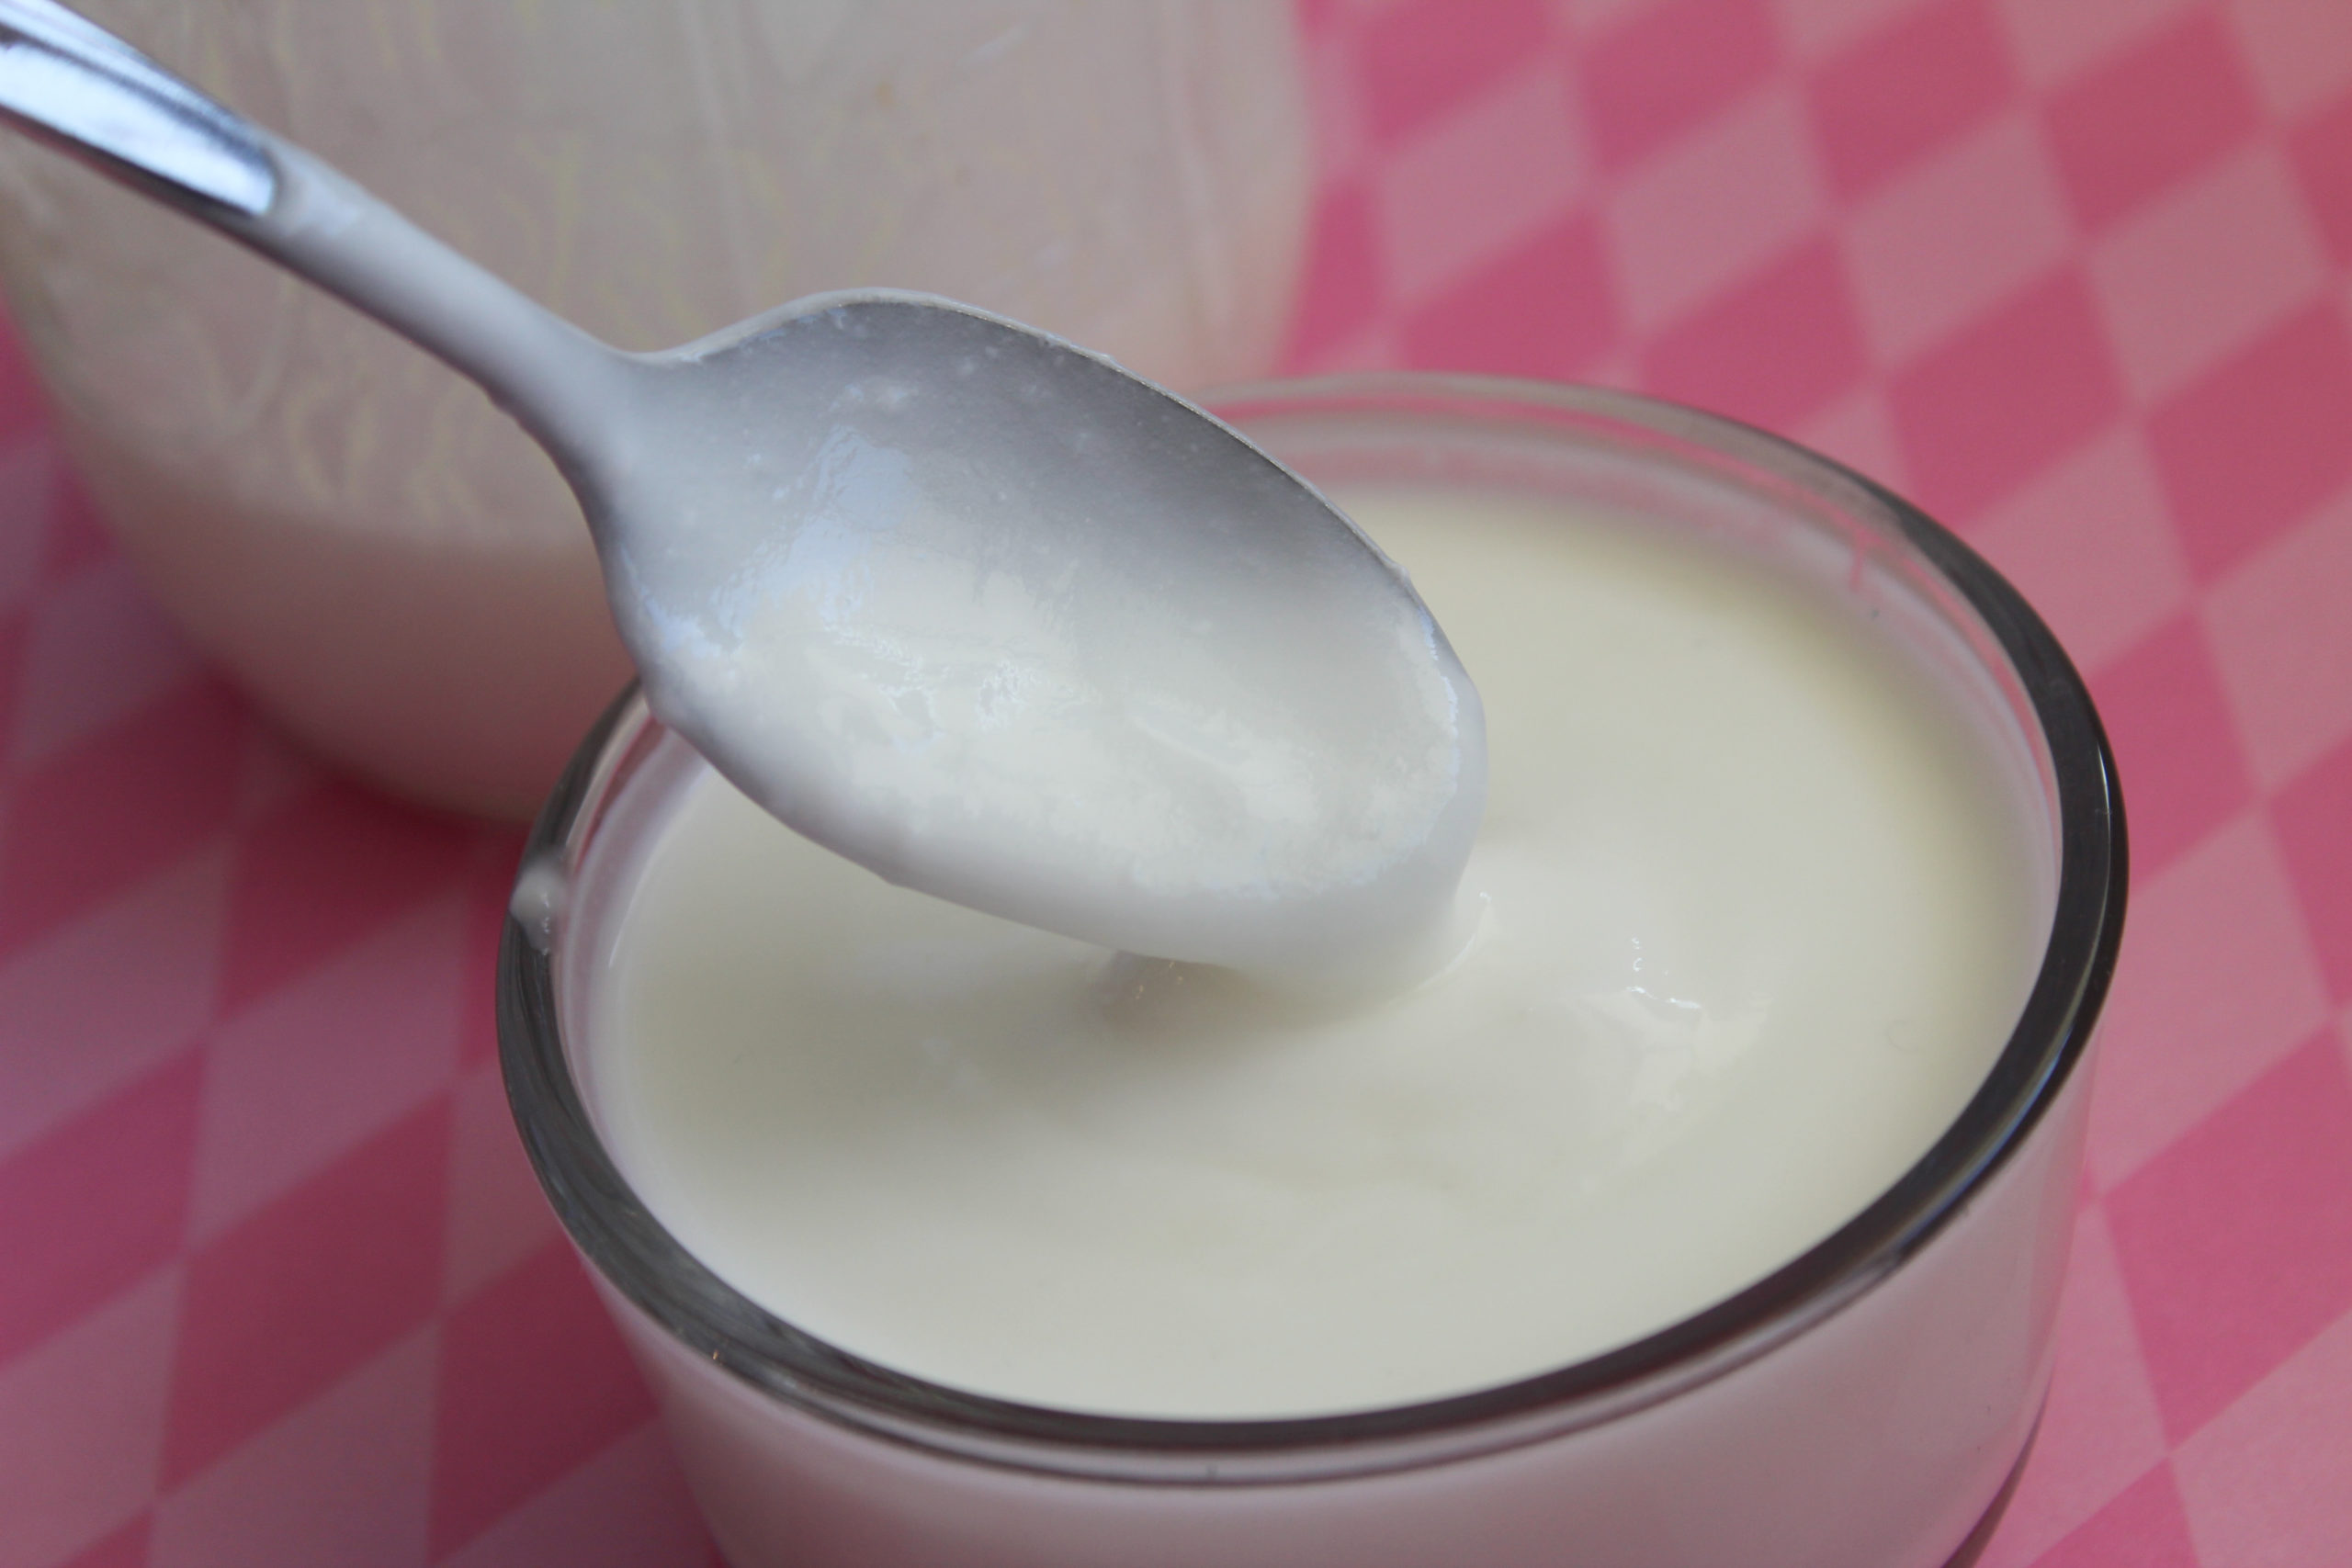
(964, 603)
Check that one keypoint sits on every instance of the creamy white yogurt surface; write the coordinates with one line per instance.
(1754, 911)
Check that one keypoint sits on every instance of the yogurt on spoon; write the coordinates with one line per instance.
(972, 607)
(996, 619)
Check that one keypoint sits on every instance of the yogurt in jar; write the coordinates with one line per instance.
(1752, 912)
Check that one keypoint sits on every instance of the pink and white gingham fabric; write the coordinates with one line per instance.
(275, 1287)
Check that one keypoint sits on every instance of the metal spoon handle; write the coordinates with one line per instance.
(70, 83)
(80, 88)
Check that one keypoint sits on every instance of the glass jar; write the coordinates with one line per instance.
(1866, 1404)
(378, 556)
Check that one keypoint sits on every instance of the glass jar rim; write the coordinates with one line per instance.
(641, 1260)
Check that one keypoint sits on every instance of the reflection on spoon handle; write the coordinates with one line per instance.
(76, 86)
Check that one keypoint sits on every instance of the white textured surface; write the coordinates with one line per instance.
(1755, 916)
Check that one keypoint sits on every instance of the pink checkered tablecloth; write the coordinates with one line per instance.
(276, 1286)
